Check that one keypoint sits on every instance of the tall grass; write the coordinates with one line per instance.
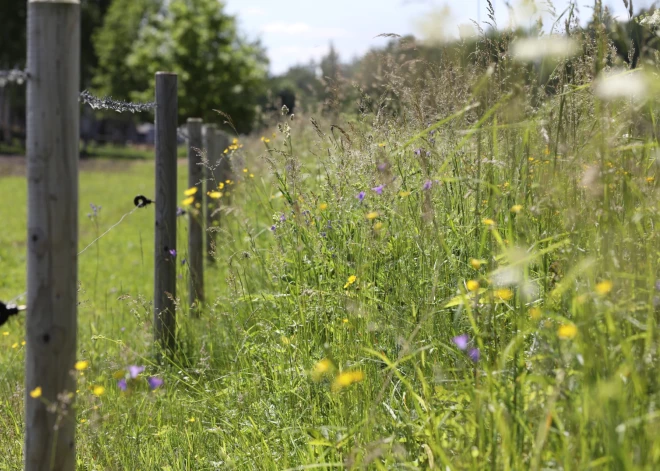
(467, 280)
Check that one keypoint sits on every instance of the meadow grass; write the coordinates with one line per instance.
(468, 283)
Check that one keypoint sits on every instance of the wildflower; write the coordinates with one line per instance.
(382, 167)
(474, 263)
(381, 144)
(378, 189)
(516, 208)
(23, 343)
(6, 332)
(221, 186)
(180, 211)
(418, 151)
(14, 345)
(604, 287)
(190, 191)
(472, 285)
(461, 341)
(535, 313)
(567, 331)
(345, 320)
(347, 378)
(372, 215)
(427, 185)
(361, 196)
(378, 226)
(323, 206)
(134, 370)
(36, 392)
(266, 140)
(245, 170)
(172, 253)
(183, 261)
(121, 384)
(650, 179)
(321, 368)
(504, 294)
(81, 365)
(488, 222)
(351, 279)
(274, 135)
(282, 217)
(474, 354)
(154, 382)
(403, 194)
(192, 419)
(273, 227)
(214, 194)
(188, 201)
(98, 390)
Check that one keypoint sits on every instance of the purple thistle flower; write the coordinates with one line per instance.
(379, 189)
(427, 185)
(474, 354)
(273, 227)
(135, 370)
(154, 382)
(121, 384)
(461, 341)
(282, 218)
(361, 196)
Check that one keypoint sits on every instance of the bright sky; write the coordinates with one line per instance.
(295, 31)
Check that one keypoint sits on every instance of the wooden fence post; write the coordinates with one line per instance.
(53, 114)
(195, 217)
(166, 200)
(210, 205)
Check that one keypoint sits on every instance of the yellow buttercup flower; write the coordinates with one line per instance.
(221, 186)
(323, 206)
(372, 215)
(488, 222)
(6, 332)
(403, 194)
(351, 280)
(378, 226)
(14, 345)
(188, 201)
(215, 194)
(190, 191)
(346, 378)
(321, 368)
(504, 294)
(81, 365)
(98, 390)
(474, 263)
(516, 208)
(36, 392)
(567, 331)
(245, 170)
(604, 287)
(472, 285)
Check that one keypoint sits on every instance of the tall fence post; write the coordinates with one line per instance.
(166, 199)
(210, 205)
(53, 114)
(195, 217)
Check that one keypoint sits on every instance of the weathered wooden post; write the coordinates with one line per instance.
(166, 199)
(53, 113)
(195, 216)
(210, 205)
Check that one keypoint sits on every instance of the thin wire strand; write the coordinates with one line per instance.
(12, 301)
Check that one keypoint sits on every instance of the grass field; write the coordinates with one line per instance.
(468, 283)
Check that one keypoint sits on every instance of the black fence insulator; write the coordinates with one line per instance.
(8, 310)
(141, 201)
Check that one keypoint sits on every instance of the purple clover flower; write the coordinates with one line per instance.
(361, 196)
(273, 227)
(379, 189)
(474, 354)
(135, 370)
(461, 341)
(154, 382)
(427, 185)
(121, 384)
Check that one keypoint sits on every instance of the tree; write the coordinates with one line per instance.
(217, 69)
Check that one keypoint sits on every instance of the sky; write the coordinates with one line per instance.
(297, 31)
